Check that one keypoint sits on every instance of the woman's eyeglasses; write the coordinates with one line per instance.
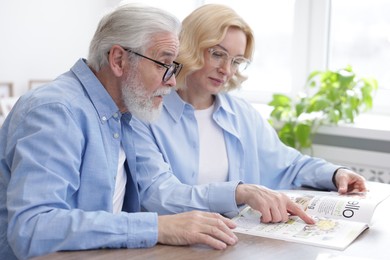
(218, 58)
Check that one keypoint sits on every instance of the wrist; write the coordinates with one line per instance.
(240, 194)
(335, 173)
(334, 178)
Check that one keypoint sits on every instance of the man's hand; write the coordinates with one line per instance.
(196, 227)
(274, 206)
(348, 181)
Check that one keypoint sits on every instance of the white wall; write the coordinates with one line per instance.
(41, 39)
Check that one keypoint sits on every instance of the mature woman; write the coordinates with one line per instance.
(219, 142)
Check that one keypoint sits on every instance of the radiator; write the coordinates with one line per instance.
(374, 166)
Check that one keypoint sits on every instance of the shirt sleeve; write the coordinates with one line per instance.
(162, 192)
(49, 208)
(285, 166)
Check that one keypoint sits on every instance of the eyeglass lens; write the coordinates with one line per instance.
(174, 68)
(219, 59)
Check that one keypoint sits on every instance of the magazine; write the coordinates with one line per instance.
(340, 219)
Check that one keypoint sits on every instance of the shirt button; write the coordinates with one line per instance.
(104, 118)
(115, 115)
(116, 135)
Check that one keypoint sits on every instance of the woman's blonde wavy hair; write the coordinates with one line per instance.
(206, 27)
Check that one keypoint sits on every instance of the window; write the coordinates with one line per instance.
(291, 41)
(360, 36)
(296, 37)
(273, 26)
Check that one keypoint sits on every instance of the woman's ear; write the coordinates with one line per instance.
(116, 60)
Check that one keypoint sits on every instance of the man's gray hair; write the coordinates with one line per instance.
(132, 26)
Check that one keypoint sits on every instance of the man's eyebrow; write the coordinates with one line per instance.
(167, 54)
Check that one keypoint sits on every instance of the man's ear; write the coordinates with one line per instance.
(116, 60)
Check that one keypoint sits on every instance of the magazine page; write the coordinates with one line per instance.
(353, 206)
(332, 205)
(330, 233)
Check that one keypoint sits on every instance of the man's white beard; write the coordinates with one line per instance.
(138, 102)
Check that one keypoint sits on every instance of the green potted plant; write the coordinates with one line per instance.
(331, 97)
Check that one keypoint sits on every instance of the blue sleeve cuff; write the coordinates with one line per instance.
(143, 229)
(322, 178)
(222, 197)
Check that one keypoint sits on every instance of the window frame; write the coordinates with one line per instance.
(310, 47)
(311, 50)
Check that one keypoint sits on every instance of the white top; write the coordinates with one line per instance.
(120, 183)
(213, 162)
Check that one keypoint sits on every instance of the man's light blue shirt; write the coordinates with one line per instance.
(58, 162)
(255, 155)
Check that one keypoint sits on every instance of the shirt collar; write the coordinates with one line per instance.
(176, 106)
(221, 102)
(101, 100)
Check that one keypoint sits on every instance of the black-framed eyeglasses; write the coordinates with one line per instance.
(172, 69)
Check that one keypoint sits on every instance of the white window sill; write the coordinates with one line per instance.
(366, 126)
